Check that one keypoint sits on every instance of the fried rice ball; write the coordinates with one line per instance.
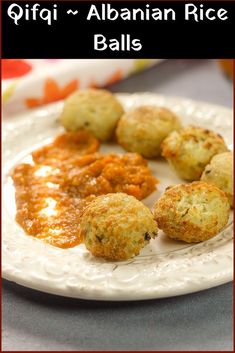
(192, 212)
(117, 226)
(95, 110)
(191, 149)
(143, 129)
(220, 173)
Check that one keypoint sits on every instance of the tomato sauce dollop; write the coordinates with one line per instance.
(65, 176)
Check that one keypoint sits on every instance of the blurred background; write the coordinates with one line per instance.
(27, 84)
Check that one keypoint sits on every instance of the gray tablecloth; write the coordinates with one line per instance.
(199, 321)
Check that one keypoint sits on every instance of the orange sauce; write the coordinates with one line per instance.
(66, 175)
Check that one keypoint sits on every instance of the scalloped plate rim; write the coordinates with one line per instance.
(189, 286)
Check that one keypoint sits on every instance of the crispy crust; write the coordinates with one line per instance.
(191, 149)
(95, 110)
(192, 212)
(143, 129)
(220, 173)
(117, 226)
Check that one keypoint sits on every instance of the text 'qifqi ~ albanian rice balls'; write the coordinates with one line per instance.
(191, 149)
(220, 173)
(192, 212)
(95, 110)
(143, 129)
(117, 226)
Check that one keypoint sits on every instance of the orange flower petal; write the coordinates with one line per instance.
(93, 84)
(116, 76)
(69, 88)
(12, 68)
(51, 91)
(33, 102)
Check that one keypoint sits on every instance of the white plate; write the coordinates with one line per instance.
(164, 268)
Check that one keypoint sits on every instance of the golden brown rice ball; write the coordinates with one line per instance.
(220, 173)
(117, 226)
(143, 129)
(191, 149)
(192, 212)
(95, 110)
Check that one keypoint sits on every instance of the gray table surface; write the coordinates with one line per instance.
(200, 321)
